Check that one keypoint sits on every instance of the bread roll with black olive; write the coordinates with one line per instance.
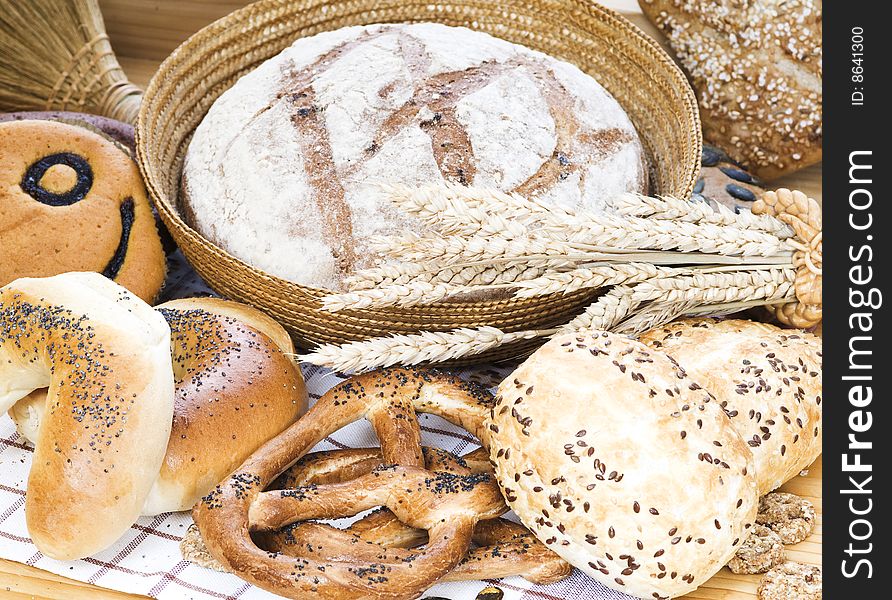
(623, 464)
(766, 378)
(73, 200)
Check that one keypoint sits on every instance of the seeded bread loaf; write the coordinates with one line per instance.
(767, 379)
(756, 68)
(622, 464)
(283, 170)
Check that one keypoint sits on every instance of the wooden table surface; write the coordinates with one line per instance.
(143, 32)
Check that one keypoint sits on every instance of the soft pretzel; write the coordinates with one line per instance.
(447, 503)
(105, 357)
(504, 548)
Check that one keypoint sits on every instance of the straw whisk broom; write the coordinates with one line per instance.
(56, 55)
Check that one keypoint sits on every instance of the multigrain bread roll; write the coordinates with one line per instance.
(767, 379)
(105, 357)
(287, 163)
(756, 68)
(235, 389)
(621, 463)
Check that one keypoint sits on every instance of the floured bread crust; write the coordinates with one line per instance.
(282, 171)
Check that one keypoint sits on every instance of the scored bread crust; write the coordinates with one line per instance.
(105, 356)
(622, 464)
(757, 68)
(289, 161)
(766, 378)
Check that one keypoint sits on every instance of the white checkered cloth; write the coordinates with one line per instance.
(147, 560)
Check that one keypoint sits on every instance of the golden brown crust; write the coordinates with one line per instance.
(620, 462)
(41, 238)
(104, 355)
(756, 68)
(504, 548)
(767, 379)
(447, 504)
(218, 419)
(235, 389)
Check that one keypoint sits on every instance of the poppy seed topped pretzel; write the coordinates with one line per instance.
(504, 548)
(445, 503)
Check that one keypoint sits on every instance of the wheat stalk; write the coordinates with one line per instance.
(678, 295)
(408, 273)
(657, 269)
(674, 209)
(565, 282)
(718, 288)
(412, 349)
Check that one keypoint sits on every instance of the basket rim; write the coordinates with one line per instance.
(173, 219)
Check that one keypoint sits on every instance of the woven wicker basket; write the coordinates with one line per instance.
(630, 65)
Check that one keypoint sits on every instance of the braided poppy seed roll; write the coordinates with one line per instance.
(235, 388)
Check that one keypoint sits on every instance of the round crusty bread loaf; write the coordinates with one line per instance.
(286, 162)
(235, 389)
(767, 379)
(105, 357)
(622, 464)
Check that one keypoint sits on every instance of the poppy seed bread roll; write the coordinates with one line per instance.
(235, 388)
(766, 378)
(105, 357)
(622, 464)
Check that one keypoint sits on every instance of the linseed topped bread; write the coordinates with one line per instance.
(756, 67)
(621, 463)
(283, 170)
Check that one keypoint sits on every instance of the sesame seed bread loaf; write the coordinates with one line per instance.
(622, 464)
(284, 170)
(767, 379)
(104, 354)
(756, 68)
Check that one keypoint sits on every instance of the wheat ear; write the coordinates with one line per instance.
(565, 282)
(675, 209)
(411, 349)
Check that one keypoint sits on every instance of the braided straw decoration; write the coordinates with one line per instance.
(803, 215)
